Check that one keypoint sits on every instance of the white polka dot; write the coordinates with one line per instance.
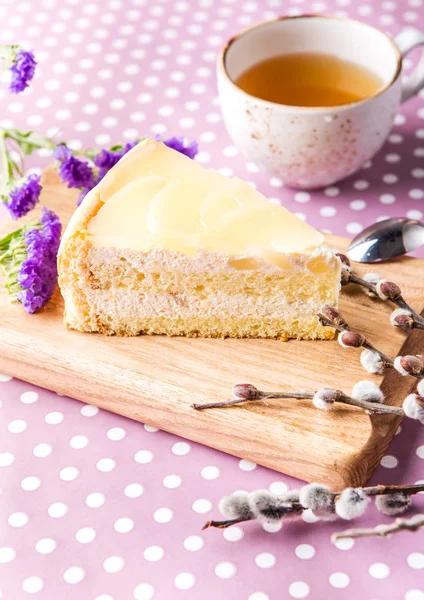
(278, 487)
(390, 178)
(81, 127)
(339, 580)
(153, 553)
(416, 560)
(258, 596)
(74, 575)
(396, 138)
(392, 158)
(116, 433)
(332, 191)
(57, 510)
(42, 450)
(105, 465)
(181, 448)
(6, 459)
(163, 515)
(388, 461)
(113, 564)
(89, 411)
(272, 527)
(203, 157)
(247, 465)
(184, 581)
(43, 102)
(124, 525)
(305, 551)
(414, 595)
(213, 117)
(418, 152)
(195, 542)
(143, 457)
(230, 151)
(302, 197)
(32, 585)
(414, 214)
(7, 555)
(328, 211)
(45, 545)
(233, 534)
(85, 535)
(299, 589)
(353, 227)
(17, 426)
(192, 105)
(357, 204)
(54, 418)
(95, 499)
(309, 517)
(201, 506)
(30, 483)
(417, 173)
(144, 591)
(78, 442)
(69, 473)
(186, 123)
(166, 111)
(225, 570)
(172, 481)
(379, 571)
(265, 560)
(209, 136)
(210, 472)
(387, 199)
(133, 490)
(4, 378)
(420, 134)
(416, 194)
(345, 543)
(29, 397)
(18, 519)
(361, 184)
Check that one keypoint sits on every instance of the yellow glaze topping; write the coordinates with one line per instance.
(155, 197)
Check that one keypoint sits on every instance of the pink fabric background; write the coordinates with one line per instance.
(96, 507)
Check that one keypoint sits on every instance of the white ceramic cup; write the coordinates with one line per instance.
(310, 147)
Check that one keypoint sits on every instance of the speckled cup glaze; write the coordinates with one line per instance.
(309, 147)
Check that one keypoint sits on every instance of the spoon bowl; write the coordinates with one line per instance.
(386, 239)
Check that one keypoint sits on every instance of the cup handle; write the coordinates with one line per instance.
(407, 41)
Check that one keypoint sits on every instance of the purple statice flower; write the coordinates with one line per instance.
(22, 70)
(106, 159)
(24, 197)
(73, 171)
(178, 143)
(37, 275)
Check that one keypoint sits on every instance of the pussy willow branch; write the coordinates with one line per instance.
(387, 360)
(368, 407)
(376, 490)
(400, 302)
(412, 524)
(394, 294)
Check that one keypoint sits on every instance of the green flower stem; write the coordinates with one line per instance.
(29, 141)
(6, 161)
(8, 54)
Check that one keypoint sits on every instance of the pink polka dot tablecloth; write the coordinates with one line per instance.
(96, 507)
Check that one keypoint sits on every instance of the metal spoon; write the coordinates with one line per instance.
(386, 239)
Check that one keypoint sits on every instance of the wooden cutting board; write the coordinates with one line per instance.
(155, 379)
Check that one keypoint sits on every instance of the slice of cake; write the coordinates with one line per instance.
(164, 246)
